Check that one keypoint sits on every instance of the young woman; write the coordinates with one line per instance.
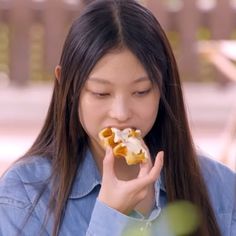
(116, 70)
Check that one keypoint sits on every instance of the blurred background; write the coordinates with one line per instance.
(202, 34)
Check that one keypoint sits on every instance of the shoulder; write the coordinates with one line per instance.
(22, 179)
(221, 182)
(211, 168)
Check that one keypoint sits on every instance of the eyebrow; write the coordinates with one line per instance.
(141, 79)
(104, 81)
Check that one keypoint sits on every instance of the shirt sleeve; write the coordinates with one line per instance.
(106, 221)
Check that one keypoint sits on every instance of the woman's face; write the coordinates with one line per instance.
(118, 93)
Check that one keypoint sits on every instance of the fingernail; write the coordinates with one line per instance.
(161, 155)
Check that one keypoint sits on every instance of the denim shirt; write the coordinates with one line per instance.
(25, 192)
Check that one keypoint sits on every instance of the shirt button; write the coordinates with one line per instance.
(148, 224)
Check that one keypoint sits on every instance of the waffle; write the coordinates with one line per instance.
(125, 143)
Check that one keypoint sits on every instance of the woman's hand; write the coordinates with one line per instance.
(125, 195)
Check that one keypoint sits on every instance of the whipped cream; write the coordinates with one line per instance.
(134, 144)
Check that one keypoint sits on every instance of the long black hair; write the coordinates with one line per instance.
(106, 25)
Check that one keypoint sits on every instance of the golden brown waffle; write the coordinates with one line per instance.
(125, 143)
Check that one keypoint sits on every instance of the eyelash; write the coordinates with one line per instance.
(101, 95)
(138, 93)
(142, 93)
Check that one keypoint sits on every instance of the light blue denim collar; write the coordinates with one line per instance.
(87, 178)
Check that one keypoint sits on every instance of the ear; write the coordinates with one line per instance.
(57, 73)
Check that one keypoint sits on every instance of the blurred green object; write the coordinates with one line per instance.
(37, 52)
(204, 33)
(177, 219)
(135, 231)
(183, 217)
(4, 48)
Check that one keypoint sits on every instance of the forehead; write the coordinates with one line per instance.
(118, 64)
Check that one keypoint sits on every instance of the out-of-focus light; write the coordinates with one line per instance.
(228, 48)
(174, 5)
(38, 0)
(71, 2)
(4, 79)
(233, 3)
(206, 5)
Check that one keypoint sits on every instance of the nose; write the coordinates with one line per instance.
(120, 109)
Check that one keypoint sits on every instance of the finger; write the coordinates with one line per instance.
(156, 169)
(153, 174)
(145, 167)
(108, 163)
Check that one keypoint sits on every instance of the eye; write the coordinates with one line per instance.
(100, 95)
(142, 92)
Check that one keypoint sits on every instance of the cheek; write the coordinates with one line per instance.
(149, 114)
(90, 116)
(85, 113)
(150, 107)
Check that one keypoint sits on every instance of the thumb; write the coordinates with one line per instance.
(108, 163)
